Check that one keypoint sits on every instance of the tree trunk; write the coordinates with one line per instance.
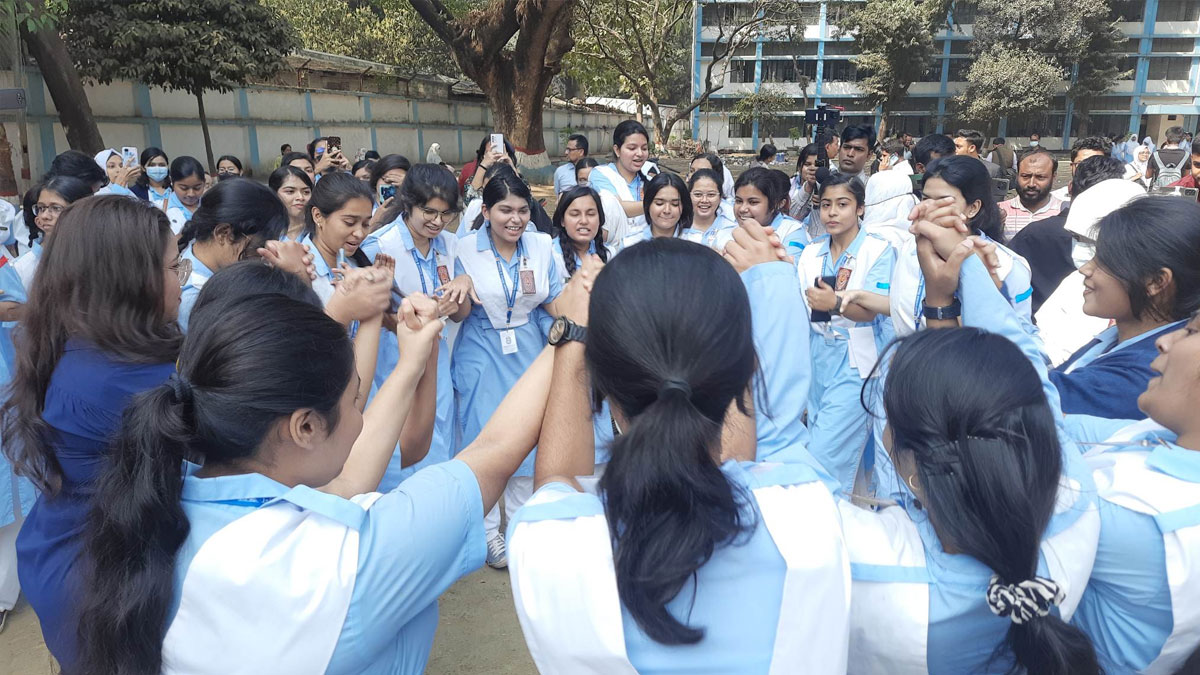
(883, 125)
(66, 88)
(212, 167)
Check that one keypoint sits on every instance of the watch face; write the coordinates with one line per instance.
(556, 330)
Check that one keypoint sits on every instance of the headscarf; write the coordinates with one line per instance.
(103, 155)
(1149, 144)
(889, 200)
(1136, 167)
(432, 157)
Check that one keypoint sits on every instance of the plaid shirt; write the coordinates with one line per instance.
(1017, 216)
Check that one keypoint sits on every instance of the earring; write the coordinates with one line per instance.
(910, 483)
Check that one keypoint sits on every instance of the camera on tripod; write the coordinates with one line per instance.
(823, 115)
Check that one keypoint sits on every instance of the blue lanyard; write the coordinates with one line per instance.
(917, 314)
(420, 271)
(510, 297)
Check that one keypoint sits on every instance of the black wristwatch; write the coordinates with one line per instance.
(564, 330)
(837, 307)
(951, 311)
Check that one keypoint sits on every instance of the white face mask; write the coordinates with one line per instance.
(1082, 253)
(1033, 144)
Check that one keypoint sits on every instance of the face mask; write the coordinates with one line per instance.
(157, 173)
(1081, 253)
(1033, 144)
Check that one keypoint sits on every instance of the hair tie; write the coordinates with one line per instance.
(1021, 602)
(180, 388)
(674, 384)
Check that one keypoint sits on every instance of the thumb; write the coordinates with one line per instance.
(960, 252)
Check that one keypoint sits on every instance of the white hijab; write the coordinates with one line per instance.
(433, 157)
(889, 200)
(103, 155)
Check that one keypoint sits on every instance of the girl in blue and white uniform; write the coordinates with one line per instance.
(237, 219)
(154, 185)
(516, 281)
(845, 276)
(294, 188)
(426, 255)
(710, 224)
(959, 184)
(761, 197)
(53, 196)
(188, 182)
(274, 554)
(621, 183)
(712, 162)
(745, 586)
(337, 222)
(668, 209)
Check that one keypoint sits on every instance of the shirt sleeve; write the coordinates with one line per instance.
(557, 274)
(415, 543)
(458, 267)
(1108, 388)
(601, 182)
(879, 277)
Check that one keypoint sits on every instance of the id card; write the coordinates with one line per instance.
(843, 279)
(443, 275)
(508, 341)
(527, 285)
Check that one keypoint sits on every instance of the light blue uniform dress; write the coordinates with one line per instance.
(1137, 599)
(17, 494)
(417, 273)
(191, 289)
(412, 544)
(716, 236)
(602, 181)
(482, 372)
(961, 632)
(844, 353)
(792, 233)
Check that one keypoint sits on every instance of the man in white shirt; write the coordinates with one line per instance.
(1092, 146)
(564, 176)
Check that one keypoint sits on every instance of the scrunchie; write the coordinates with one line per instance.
(674, 384)
(1021, 602)
(181, 389)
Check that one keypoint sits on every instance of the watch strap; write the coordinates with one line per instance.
(951, 311)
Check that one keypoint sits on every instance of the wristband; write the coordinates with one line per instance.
(951, 311)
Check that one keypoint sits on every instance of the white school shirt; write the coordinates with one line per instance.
(479, 262)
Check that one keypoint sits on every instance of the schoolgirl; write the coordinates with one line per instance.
(337, 222)
(188, 182)
(761, 198)
(961, 188)
(744, 585)
(583, 169)
(516, 281)
(621, 183)
(238, 217)
(712, 161)
(845, 275)
(53, 196)
(154, 184)
(802, 194)
(294, 189)
(710, 226)
(668, 208)
(387, 175)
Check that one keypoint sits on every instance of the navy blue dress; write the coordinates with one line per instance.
(87, 394)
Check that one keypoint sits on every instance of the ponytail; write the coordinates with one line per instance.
(668, 503)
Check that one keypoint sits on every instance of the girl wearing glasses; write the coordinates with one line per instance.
(710, 226)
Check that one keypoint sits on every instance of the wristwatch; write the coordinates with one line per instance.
(837, 306)
(951, 311)
(564, 330)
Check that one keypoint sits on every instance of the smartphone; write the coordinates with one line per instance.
(129, 155)
(1177, 191)
(335, 143)
(498, 144)
(386, 192)
(819, 316)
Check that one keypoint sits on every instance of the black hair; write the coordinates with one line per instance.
(856, 131)
(70, 189)
(669, 505)
(371, 154)
(293, 156)
(852, 183)
(1097, 143)
(212, 413)
(247, 278)
(999, 140)
(362, 164)
(1173, 135)
(894, 147)
(988, 462)
(28, 200)
(388, 163)
(971, 136)
(508, 150)
(810, 150)
(565, 242)
(664, 180)
(767, 151)
(279, 177)
(248, 207)
(971, 178)
(925, 149)
(312, 147)
(75, 164)
(626, 129)
(714, 160)
(499, 187)
(144, 159)
(762, 180)
(231, 159)
(706, 173)
(186, 167)
(1135, 242)
(425, 182)
(1034, 152)
(1035, 134)
(580, 140)
(329, 195)
(284, 149)
(586, 162)
(1094, 170)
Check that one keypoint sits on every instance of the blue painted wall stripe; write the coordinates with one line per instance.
(141, 103)
(37, 111)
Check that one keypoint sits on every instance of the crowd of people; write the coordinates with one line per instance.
(866, 418)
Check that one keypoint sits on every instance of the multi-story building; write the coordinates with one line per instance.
(1162, 54)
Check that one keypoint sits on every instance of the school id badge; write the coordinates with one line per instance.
(508, 341)
(528, 287)
(843, 278)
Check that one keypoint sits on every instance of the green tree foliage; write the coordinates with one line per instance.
(388, 32)
(194, 46)
(1007, 81)
(763, 105)
(894, 39)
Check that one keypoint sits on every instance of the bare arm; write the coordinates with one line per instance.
(12, 311)
(366, 353)
(863, 306)
(567, 445)
(418, 430)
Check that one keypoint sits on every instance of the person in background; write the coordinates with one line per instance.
(188, 183)
(857, 148)
(969, 143)
(803, 189)
(564, 176)
(1171, 160)
(120, 176)
(1090, 146)
(284, 150)
(1191, 179)
(362, 170)
(929, 148)
(293, 187)
(889, 201)
(490, 156)
(303, 162)
(387, 175)
(891, 157)
(1046, 244)
(583, 169)
(1033, 202)
(766, 156)
(155, 182)
(325, 158)
(1002, 155)
(1140, 170)
(711, 160)
(434, 154)
(1035, 140)
(228, 166)
(373, 155)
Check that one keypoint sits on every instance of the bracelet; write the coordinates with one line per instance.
(837, 306)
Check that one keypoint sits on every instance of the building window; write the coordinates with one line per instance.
(1174, 45)
(840, 71)
(1170, 68)
(807, 69)
(789, 49)
(725, 14)
(778, 71)
(741, 71)
(843, 48)
(1046, 125)
(1128, 11)
(1129, 64)
(741, 129)
(1102, 125)
(960, 46)
(964, 12)
(1178, 10)
(959, 69)
(933, 73)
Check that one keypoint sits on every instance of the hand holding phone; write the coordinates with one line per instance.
(386, 192)
(129, 155)
(817, 315)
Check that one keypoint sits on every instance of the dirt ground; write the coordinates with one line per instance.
(478, 633)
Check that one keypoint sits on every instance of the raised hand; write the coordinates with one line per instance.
(574, 301)
(941, 274)
(754, 244)
(290, 256)
(942, 212)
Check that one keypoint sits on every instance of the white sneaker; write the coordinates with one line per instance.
(497, 554)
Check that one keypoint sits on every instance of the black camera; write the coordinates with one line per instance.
(823, 115)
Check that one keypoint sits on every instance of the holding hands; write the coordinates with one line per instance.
(754, 244)
(363, 293)
(290, 256)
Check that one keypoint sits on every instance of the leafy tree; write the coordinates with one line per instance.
(194, 46)
(1008, 81)
(512, 49)
(763, 105)
(37, 22)
(894, 39)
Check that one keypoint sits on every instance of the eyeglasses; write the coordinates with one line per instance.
(434, 214)
(182, 267)
(48, 209)
(704, 195)
(570, 149)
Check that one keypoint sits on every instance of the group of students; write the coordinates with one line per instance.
(727, 439)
